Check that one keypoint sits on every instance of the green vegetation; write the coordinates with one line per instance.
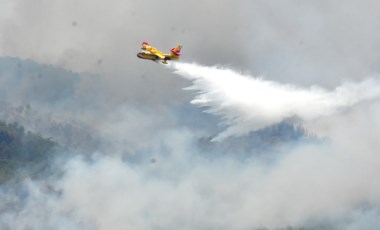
(23, 153)
(258, 143)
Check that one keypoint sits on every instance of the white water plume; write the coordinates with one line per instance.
(248, 103)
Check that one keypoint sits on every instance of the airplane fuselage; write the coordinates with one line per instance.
(147, 56)
(151, 53)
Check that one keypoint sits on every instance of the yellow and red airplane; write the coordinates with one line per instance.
(151, 53)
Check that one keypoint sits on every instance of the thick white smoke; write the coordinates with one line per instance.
(248, 103)
(135, 108)
(171, 184)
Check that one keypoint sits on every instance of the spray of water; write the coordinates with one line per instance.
(247, 103)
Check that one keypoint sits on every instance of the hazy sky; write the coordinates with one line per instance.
(313, 42)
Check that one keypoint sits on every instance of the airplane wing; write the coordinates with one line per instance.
(152, 50)
(158, 54)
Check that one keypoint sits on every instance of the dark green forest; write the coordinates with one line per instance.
(23, 153)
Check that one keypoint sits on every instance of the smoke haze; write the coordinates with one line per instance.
(138, 150)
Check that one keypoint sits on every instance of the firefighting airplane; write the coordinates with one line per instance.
(151, 53)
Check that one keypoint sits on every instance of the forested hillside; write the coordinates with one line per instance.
(23, 153)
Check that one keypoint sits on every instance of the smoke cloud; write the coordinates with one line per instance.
(148, 173)
(135, 141)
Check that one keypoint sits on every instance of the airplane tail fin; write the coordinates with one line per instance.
(176, 50)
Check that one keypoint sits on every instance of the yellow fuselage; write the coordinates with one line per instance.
(146, 55)
(154, 54)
